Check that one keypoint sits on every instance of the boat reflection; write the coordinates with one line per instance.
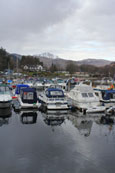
(28, 117)
(54, 122)
(83, 124)
(5, 115)
(55, 118)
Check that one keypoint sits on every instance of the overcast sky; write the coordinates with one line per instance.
(71, 29)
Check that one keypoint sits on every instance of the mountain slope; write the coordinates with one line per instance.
(95, 62)
(48, 58)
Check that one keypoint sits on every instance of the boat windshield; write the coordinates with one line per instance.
(56, 93)
(4, 90)
(28, 95)
(87, 95)
(112, 95)
(90, 94)
(84, 94)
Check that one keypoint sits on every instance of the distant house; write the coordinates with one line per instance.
(82, 74)
(33, 68)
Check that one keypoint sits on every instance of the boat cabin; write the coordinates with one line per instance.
(29, 95)
(54, 92)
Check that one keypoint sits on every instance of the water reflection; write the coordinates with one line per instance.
(28, 117)
(5, 114)
(63, 150)
(83, 124)
(55, 121)
(54, 118)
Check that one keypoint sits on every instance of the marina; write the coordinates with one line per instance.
(57, 86)
(61, 140)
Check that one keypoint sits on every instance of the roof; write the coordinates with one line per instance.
(28, 89)
(22, 85)
(19, 87)
(107, 91)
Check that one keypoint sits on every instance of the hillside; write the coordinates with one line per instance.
(95, 62)
(48, 59)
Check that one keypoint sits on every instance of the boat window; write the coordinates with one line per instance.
(112, 96)
(103, 94)
(97, 94)
(90, 94)
(84, 94)
(28, 96)
(56, 93)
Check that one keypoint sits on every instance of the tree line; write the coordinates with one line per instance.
(8, 61)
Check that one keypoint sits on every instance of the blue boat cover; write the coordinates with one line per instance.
(26, 98)
(107, 94)
(19, 87)
(49, 92)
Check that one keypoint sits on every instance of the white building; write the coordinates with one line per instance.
(33, 68)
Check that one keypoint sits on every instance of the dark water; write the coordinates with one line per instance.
(36, 143)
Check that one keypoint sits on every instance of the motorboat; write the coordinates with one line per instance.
(106, 96)
(83, 97)
(53, 99)
(28, 98)
(5, 96)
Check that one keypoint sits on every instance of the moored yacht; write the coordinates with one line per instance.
(53, 99)
(82, 96)
(28, 98)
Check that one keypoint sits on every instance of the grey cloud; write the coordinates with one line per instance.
(20, 18)
(72, 28)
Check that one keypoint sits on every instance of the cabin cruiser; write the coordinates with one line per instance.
(82, 96)
(107, 96)
(5, 96)
(53, 99)
(28, 98)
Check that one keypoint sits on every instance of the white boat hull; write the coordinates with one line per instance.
(28, 105)
(57, 107)
(98, 109)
